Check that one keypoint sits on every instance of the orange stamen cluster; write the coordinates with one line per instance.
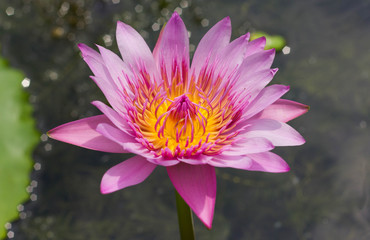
(178, 118)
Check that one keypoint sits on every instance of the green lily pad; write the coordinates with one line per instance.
(272, 41)
(17, 139)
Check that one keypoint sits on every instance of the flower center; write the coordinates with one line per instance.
(173, 123)
(179, 124)
(182, 122)
(182, 108)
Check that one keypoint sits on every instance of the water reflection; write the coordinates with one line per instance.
(9, 11)
(326, 194)
(26, 82)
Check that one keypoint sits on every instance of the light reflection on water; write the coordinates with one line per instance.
(326, 194)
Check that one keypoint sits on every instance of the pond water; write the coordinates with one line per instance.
(324, 196)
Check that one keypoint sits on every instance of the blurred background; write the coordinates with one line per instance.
(326, 62)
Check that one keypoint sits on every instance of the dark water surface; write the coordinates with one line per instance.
(324, 196)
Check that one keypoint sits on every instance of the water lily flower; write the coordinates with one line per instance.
(216, 112)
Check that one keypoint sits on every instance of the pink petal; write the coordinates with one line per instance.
(162, 161)
(237, 162)
(83, 133)
(255, 46)
(104, 81)
(172, 53)
(283, 110)
(134, 50)
(211, 44)
(89, 52)
(127, 173)
(232, 56)
(196, 184)
(268, 162)
(196, 160)
(97, 66)
(110, 94)
(118, 120)
(158, 44)
(257, 62)
(118, 70)
(253, 83)
(279, 133)
(127, 142)
(131, 145)
(265, 98)
(248, 145)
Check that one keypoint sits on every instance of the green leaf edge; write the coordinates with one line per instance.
(26, 123)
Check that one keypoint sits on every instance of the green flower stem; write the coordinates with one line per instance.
(185, 217)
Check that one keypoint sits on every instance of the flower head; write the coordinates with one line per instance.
(217, 112)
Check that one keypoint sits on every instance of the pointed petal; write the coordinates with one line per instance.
(232, 56)
(97, 65)
(98, 68)
(128, 143)
(196, 184)
(86, 51)
(265, 98)
(162, 161)
(196, 160)
(211, 44)
(118, 70)
(83, 133)
(134, 50)
(158, 44)
(110, 94)
(255, 46)
(248, 145)
(253, 83)
(173, 47)
(268, 162)
(118, 120)
(127, 173)
(102, 76)
(280, 134)
(257, 62)
(283, 110)
(237, 162)
(131, 145)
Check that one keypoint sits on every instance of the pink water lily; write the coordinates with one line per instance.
(217, 112)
